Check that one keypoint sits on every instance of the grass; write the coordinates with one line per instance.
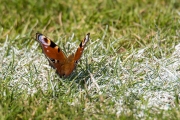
(129, 69)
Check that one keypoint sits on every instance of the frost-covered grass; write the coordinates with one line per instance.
(129, 69)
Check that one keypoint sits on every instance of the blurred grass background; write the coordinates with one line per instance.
(131, 41)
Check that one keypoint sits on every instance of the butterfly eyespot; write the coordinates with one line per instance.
(57, 59)
(45, 39)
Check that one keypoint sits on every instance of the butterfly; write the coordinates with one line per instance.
(57, 59)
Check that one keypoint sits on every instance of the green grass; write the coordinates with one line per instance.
(129, 69)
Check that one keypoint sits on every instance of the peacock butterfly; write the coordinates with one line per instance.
(57, 59)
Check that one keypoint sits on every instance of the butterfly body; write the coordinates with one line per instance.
(57, 59)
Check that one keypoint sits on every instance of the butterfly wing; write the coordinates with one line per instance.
(64, 66)
(72, 60)
(53, 53)
(80, 49)
(50, 49)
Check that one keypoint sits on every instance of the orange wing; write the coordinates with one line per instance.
(50, 49)
(80, 49)
(57, 59)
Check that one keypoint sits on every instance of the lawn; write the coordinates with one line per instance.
(130, 68)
